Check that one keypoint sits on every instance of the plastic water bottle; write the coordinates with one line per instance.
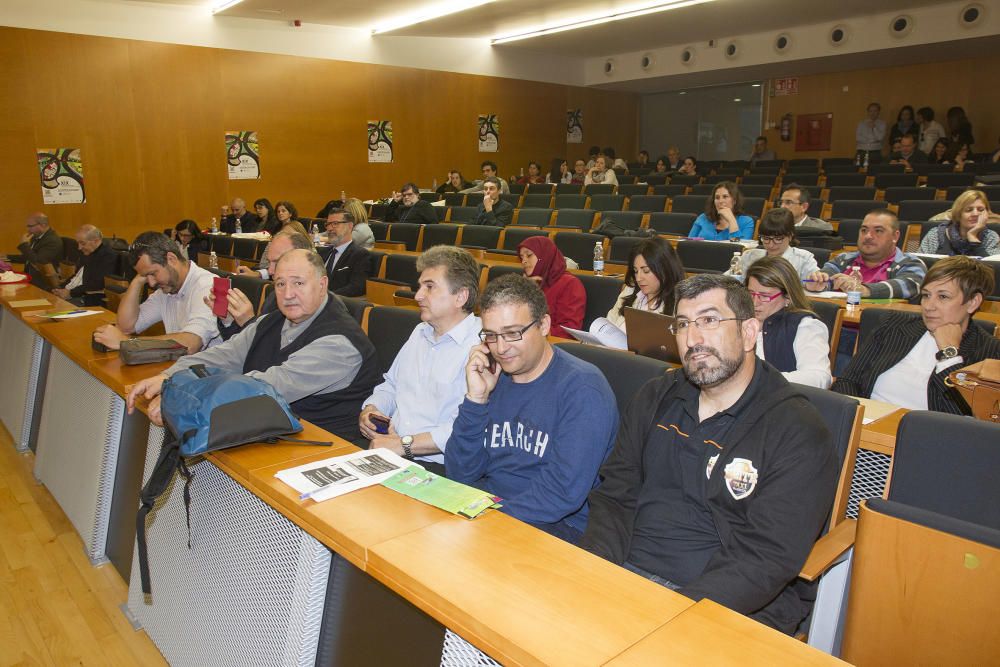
(598, 259)
(215, 226)
(213, 260)
(317, 238)
(239, 227)
(734, 264)
(343, 197)
(854, 290)
(434, 185)
(866, 160)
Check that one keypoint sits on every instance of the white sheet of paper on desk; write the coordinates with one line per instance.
(332, 477)
(602, 332)
(70, 314)
(828, 295)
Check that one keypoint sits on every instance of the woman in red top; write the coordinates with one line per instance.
(564, 292)
(535, 174)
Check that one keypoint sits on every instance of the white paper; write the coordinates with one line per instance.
(602, 332)
(77, 313)
(335, 476)
(827, 295)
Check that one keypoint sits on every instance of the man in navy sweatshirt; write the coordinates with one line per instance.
(536, 429)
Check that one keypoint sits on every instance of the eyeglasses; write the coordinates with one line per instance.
(772, 239)
(703, 323)
(789, 202)
(766, 298)
(136, 245)
(508, 336)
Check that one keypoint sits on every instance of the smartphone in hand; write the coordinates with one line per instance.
(381, 424)
(220, 289)
(493, 363)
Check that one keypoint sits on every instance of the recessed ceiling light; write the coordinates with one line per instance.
(598, 19)
(755, 85)
(426, 13)
(683, 92)
(736, 99)
(223, 6)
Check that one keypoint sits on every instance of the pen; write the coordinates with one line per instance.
(309, 494)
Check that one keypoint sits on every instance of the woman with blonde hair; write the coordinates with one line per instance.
(791, 338)
(362, 235)
(965, 233)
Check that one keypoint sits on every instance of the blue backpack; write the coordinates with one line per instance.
(205, 409)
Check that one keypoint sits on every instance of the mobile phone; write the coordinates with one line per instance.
(493, 362)
(381, 424)
(220, 288)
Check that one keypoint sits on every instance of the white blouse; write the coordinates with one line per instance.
(812, 354)
(803, 261)
(641, 303)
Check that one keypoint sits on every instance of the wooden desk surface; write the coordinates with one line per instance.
(523, 596)
(350, 524)
(880, 435)
(709, 634)
(119, 377)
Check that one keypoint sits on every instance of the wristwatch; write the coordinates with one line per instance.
(407, 442)
(949, 352)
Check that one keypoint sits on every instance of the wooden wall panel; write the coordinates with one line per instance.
(938, 85)
(150, 119)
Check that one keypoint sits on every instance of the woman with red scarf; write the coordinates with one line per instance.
(545, 264)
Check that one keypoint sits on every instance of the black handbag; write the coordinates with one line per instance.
(150, 351)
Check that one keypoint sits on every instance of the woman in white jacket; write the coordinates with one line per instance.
(777, 238)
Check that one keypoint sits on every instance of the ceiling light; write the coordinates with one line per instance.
(427, 13)
(223, 6)
(683, 92)
(737, 99)
(755, 85)
(592, 20)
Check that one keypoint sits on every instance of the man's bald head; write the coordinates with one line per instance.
(37, 224)
(88, 239)
(284, 241)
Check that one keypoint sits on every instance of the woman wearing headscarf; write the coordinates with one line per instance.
(545, 264)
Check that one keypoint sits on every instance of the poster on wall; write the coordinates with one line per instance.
(574, 126)
(380, 141)
(242, 155)
(489, 133)
(61, 172)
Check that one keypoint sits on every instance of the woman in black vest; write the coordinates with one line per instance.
(791, 338)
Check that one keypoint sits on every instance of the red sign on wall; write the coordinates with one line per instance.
(813, 131)
(789, 86)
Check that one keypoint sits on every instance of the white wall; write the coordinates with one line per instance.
(932, 24)
(194, 25)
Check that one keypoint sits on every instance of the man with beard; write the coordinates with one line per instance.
(722, 475)
(178, 301)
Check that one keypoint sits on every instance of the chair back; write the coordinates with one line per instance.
(832, 315)
(480, 236)
(607, 202)
(650, 203)
(402, 268)
(463, 213)
(625, 372)
(855, 193)
(407, 232)
(621, 246)
(631, 220)
(575, 217)
(356, 306)
(389, 327)
(675, 224)
(454, 199)
(513, 236)
(598, 189)
(537, 200)
(533, 217)
(576, 200)
(707, 256)
(440, 234)
(921, 210)
(854, 208)
(688, 204)
(579, 246)
(602, 293)
(245, 249)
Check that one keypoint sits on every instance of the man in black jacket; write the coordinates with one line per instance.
(722, 475)
(494, 211)
(41, 249)
(86, 287)
(348, 264)
(407, 206)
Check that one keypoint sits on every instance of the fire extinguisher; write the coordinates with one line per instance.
(786, 127)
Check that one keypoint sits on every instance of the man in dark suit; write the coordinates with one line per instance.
(348, 264)
(407, 206)
(493, 211)
(86, 287)
(248, 221)
(41, 249)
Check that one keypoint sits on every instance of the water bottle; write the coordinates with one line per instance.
(734, 264)
(213, 260)
(866, 160)
(857, 160)
(215, 226)
(343, 197)
(239, 227)
(599, 259)
(317, 238)
(434, 185)
(854, 290)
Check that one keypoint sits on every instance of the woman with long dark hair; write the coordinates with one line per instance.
(723, 218)
(267, 221)
(559, 171)
(653, 270)
(190, 239)
(905, 124)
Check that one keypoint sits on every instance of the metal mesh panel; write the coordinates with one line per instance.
(459, 653)
(106, 483)
(871, 470)
(17, 342)
(250, 590)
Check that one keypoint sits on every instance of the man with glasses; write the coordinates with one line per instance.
(348, 264)
(722, 475)
(41, 249)
(407, 206)
(86, 287)
(494, 211)
(536, 422)
(490, 170)
(795, 198)
(178, 300)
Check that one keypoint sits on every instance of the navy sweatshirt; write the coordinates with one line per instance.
(538, 445)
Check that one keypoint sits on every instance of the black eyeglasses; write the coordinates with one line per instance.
(136, 245)
(508, 336)
(704, 323)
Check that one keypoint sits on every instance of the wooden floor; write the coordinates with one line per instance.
(55, 608)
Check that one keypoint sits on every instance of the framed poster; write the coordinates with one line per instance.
(61, 174)
(574, 126)
(242, 155)
(380, 141)
(813, 131)
(489, 133)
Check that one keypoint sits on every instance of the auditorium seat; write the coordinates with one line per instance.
(474, 199)
(441, 234)
(921, 210)
(454, 199)
(579, 246)
(624, 371)
(463, 213)
(621, 246)
(839, 168)
(670, 190)
(538, 200)
(221, 244)
(533, 217)
(598, 189)
(688, 204)
(850, 192)
(927, 168)
(947, 180)
(633, 190)
(253, 286)
(849, 229)
(760, 179)
(854, 208)
(429, 196)
(651, 203)
(704, 189)
(762, 192)
(675, 224)
(685, 179)
(389, 327)
(885, 181)
(512, 199)
(480, 236)
(407, 233)
(803, 162)
(800, 178)
(607, 202)
(832, 315)
(539, 188)
(402, 268)
(568, 189)
(380, 230)
(625, 219)
(571, 201)
(602, 293)
(356, 306)
(516, 188)
(513, 236)
(441, 212)
(753, 206)
(821, 254)
(885, 168)
(896, 194)
(575, 217)
(706, 256)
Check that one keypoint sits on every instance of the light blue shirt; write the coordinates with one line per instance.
(705, 229)
(426, 382)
